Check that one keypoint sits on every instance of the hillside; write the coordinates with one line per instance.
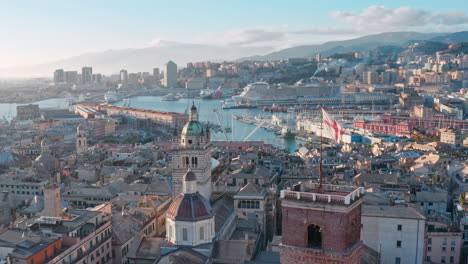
(461, 36)
(430, 47)
(365, 43)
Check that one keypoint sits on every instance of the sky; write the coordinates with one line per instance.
(35, 32)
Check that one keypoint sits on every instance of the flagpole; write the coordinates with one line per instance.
(320, 189)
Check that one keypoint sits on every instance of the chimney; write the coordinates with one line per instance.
(52, 206)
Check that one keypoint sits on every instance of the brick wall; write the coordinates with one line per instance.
(340, 231)
(294, 255)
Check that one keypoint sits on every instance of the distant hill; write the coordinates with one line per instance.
(461, 36)
(144, 59)
(430, 47)
(365, 43)
(458, 48)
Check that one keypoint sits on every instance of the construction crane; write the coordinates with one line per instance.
(221, 123)
(255, 130)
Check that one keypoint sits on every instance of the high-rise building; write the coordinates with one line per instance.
(59, 76)
(123, 76)
(370, 77)
(87, 75)
(192, 150)
(321, 225)
(156, 74)
(71, 76)
(318, 57)
(170, 74)
(97, 78)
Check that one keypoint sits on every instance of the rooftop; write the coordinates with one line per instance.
(388, 211)
(336, 194)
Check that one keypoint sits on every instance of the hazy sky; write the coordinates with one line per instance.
(40, 31)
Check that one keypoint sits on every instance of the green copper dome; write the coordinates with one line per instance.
(192, 128)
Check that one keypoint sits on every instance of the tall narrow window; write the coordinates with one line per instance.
(184, 234)
(202, 233)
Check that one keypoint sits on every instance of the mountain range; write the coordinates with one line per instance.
(361, 44)
(144, 59)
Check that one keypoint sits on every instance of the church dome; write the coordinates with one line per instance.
(190, 207)
(192, 128)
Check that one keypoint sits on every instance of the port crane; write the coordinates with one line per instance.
(221, 123)
(255, 130)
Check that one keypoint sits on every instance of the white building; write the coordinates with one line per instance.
(195, 83)
(395, 232)
(190, 218)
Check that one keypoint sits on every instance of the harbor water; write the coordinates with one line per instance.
(238, 130)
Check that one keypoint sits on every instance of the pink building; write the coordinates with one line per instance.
(442, 244)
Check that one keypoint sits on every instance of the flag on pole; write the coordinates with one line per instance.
(331, 128)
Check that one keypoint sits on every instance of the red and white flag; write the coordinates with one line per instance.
(331, 128)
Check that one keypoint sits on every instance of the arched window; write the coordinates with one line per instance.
(314, 236)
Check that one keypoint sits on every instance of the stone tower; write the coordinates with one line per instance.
(81, 142)
(192, 150)
(52, 198)
(321, 226)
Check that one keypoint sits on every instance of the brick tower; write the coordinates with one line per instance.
(321, 227)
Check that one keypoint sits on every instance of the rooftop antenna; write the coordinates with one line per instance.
(320, 188)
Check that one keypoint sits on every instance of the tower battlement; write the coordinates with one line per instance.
(333, 194)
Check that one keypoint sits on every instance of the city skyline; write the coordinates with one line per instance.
(53, 30)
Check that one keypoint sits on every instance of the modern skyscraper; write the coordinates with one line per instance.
(170, 74)
(87, 75)
(71, 76)
(156, 74)
(59, 76)
(123, 77)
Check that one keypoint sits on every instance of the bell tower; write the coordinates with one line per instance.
(81, 142)
(321, 226)
(192, 150)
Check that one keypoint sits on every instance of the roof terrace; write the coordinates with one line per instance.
(335, 194)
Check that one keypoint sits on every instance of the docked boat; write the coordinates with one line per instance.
(207, 94)
(304, 91)
(170, 97)
(112, 96)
